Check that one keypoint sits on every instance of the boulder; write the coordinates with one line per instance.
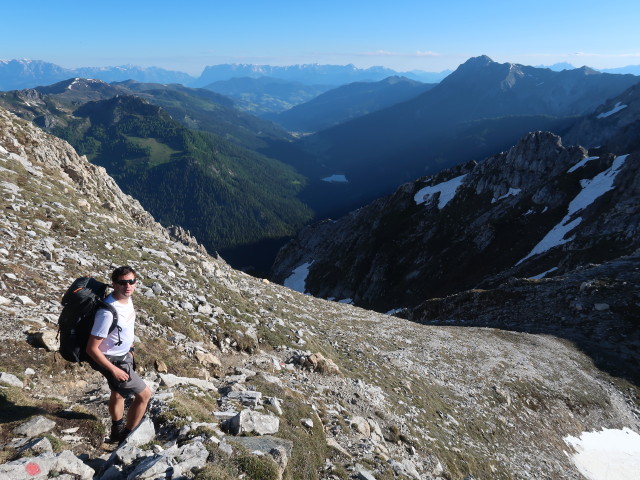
(248, 421)
(24, 300)
(161, 367)
(361, 425)
(141, 435)
(11, 380)
(43, 466)
(171, 463)
(171, 380)
(35, 426)
(37, 445)
(279, 449)
(248, 398)
(45, 339)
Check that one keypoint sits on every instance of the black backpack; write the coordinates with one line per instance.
(81, 301)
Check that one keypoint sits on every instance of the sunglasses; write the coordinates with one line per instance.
(133, 281)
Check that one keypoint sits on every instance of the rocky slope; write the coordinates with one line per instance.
(540, 208)
(241, 366)
(613, 125)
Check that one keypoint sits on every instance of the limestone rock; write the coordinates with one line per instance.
(279, 449)
(11, 380)
(45, 339)
(171, 380)
(24, 300)
(361, 425)
(35, 426)
(142, 434)
(248, 398)
(248, 421)
(37, 445)
(41, 467)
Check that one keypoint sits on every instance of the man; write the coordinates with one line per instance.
(113, 352)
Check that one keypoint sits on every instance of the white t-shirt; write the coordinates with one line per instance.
(126, 320)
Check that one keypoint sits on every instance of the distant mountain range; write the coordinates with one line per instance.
(312, 74)
(19, 74)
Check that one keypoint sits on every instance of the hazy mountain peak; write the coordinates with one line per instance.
(80, 88)
(480, 61)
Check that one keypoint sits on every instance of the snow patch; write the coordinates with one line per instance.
(591, 190)
(447, 191)
(336, 179)
(511, 193)
(607, 455)
(581, 163)
(298, 279)
(348, 301)
(613, 111)
(543, 274)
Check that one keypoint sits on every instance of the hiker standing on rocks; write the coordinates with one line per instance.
(113, 352)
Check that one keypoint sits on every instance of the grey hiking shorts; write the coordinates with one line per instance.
(134, 385)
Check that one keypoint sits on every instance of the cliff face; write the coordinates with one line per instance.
(540, 206)
(239, 365)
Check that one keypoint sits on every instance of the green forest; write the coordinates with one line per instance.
(226, 195)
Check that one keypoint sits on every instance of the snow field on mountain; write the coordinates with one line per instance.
(446, 189)
(613, 111)
(591, 190)
(607, 455)
(298, 278)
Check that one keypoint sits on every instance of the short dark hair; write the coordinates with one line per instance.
(121, 271)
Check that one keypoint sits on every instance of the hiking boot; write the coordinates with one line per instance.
(117, 430)
(124, 433)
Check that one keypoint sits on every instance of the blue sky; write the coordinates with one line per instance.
(401, 34)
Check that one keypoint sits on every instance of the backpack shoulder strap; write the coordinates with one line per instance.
(107, 306)
(114, 323)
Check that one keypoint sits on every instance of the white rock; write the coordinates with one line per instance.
(142, 434)
(361, 425)
(248, 421)
(24, 300)
(171, 380)
(11, 380)
(36, 426)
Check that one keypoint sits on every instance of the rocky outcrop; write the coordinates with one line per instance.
(46, 152)
(541, 208)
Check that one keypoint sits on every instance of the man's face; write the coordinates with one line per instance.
(123, 287)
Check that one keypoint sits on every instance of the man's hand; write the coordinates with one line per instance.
(119, 374)
(94, 351)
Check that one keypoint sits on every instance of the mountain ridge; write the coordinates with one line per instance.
(352, 100)
(20, 74)
(483, 107)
